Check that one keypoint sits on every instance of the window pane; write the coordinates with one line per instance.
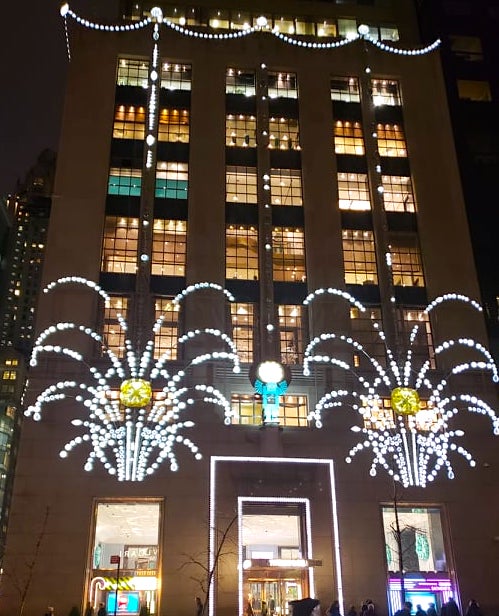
(241, 184)
(326, 28)
(112, 333)
(288, 251)
(120, 242)
(173, 125)
(282, 85)
(359, 257)
(348, 138)
(240, 130)
(467, 47)
(241, 252)
(124, 181)
(168, 247)
(176, 76)
(407, 268)
(242, 318)
(365, 332)
(385, 92)
(422, 346)
(171, 180)
(129, 122)
(247, 409)
(285, 186)
(345, 89)
(347, 28)
(165, 340)
(291, 333)
(239, 81)
(284, 134)
(353, 191)
(132, 72)
(391, 140)
(398, 195)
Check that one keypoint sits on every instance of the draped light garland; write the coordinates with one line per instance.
(408, 439)
(134, 405)
(262, 25)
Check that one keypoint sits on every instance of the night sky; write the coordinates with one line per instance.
(33, 70)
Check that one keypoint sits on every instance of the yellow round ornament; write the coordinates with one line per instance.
(135, 393)
(405, 401)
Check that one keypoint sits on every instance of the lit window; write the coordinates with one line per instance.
(291, 333)
(284, 134)
(240, 20)
(365, 332)
(478, 91)
(125, 181)
(176, 76)
(285, 187)
(389, 33)
(168, 247)
(347, 28)
(359, 257)
(422, 346)
(218, 19)
(240, 130)
(243, 328)
(240, 82)
(282, 85)
(132, 72)
(288, 252)
(326, 28)
(241, 184)
(293, 410)
(112, 333)
(345, 89)
(119, 249)
(165, 340)
(398, 195)
(353, 191)
(129, 122)
(348, 138)
(173, 125)
(241, 246)
(407, 268)
(305, 27)
(9, 375)
(171, 180)
(385, 92)
(391, 140)
(286, 25)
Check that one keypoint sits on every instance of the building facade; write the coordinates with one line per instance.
(237, 188)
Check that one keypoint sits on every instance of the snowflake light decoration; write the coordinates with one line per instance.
(134, 405)
(405, 414)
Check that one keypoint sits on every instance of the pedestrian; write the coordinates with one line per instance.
(249, 609)
(89, 610)
(334, 609)
(352, 611)
(431, 611)
(405, 610)
(199, 606)
(102, 610)
(473, 609)
(420, 611)
(451, 608)
(265, 610)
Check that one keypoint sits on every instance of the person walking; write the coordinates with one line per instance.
(102, 610)
(199, 606)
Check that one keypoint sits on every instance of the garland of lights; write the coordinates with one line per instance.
(261, 26)
(130, 443)
(410, 442)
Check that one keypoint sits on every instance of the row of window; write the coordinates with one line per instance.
(284, 185)
(279, 84)
(292, 330)
(236, 19)
(121, 239)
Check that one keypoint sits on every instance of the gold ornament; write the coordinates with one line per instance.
(405, 401)
(135, 393)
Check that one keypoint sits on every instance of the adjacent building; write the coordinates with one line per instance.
(258, 326)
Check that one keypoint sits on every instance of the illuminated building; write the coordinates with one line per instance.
(236, 188)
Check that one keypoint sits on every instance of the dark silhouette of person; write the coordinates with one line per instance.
(352, 611)
(199, 606)
(420, 611)
(473, 609)
(265, 609)
(431, 611)
(334, 609)
(405, 610)
(451, 608)
(249, 609)
(102, 610)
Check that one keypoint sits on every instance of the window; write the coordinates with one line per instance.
(286, 25)
(348, 138)
(385, 92)
(285, 186)
(218, 19)
(176, 76)
(407, 268)
(129, 122)
(304, 27)
(282, 85)
(478, 91)
(129, 529)
(240, 20)
(391, 140)
(9, 375)
(293, 410)
(241, 184)
(240, 82)
(119, 249)
(359, 258)
(398, 195)
(291, 333)
(388, 33)
(125, 182)
(326, 28)
(365, 332)
(132, 72)
(240, 130)
(347, 28)
(466, 47)
(284, 134)
(168, 247)
(241, 252)
(165, 340)
(112, 333)
(171, 180)
(353, 191)
(422, 346)
(345, 89)
(173, 125)
(243, 327)
(288, 254)
(421, 536)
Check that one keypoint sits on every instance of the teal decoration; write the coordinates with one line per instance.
(422, 546)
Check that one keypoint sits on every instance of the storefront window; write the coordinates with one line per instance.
(124, 561)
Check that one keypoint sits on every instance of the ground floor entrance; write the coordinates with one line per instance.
(270, 592)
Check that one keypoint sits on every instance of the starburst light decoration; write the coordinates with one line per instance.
(405, 408)
(134, 405)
